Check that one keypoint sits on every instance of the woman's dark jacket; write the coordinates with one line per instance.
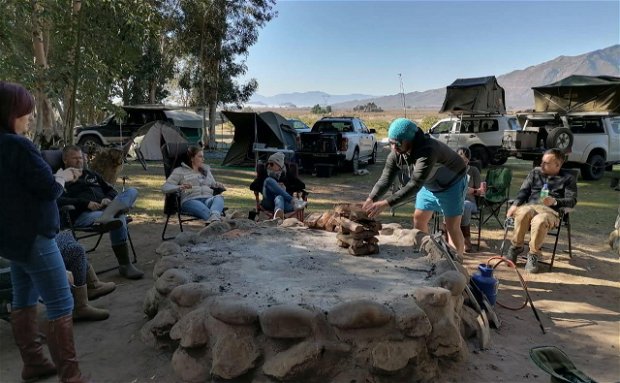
(28, 193)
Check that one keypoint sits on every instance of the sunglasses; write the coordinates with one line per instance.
(398, 144)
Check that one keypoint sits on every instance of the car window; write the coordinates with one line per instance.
(469, 126)
(615, 125)
(488, 126)
(513, 124)
(364, 127)
(443, 127)
(332, 126)
(586, 125)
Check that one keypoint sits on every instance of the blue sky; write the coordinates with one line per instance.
(343, 47)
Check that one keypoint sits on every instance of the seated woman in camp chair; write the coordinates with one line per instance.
(278, 187)
(199, 190)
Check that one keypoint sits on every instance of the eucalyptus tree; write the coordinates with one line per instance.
(78, 55)
(215, 36)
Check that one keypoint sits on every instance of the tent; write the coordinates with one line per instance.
(267, 128)
(481, 95)
(579, 94)
(149, 138)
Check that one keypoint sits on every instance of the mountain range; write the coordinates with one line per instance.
(517, 85)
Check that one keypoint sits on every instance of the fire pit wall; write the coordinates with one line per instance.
(220, 336)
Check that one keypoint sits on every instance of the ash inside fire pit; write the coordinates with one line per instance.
(241, 302)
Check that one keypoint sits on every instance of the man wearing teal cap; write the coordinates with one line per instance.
(437, 176)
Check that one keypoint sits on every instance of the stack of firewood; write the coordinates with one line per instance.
(357, 232)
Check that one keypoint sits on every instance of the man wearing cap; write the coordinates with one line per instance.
(437, 175)
(277, 187)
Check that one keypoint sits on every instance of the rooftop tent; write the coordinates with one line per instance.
(579, 94)
(267, 128)
(481, 95)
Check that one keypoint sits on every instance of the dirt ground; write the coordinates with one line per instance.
(578, 303)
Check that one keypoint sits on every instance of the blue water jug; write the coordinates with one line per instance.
(486, 282)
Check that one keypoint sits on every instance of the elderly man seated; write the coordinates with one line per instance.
(541, 212)
(97, 203)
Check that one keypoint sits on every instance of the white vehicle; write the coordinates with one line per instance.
(591, 140)
(482, 134)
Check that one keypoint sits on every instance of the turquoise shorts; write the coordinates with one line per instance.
(450, 201)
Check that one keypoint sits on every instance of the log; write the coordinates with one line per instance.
(322, 222)
(351, 240)
(312, 219)
(363, 235)
(368, 249)
(351, 226)
(333, 223)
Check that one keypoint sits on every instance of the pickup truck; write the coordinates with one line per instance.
(591, 140)
(339, 142)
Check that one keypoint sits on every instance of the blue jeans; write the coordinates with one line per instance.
(42, 275)
(203, 207)
(275, 197)
(117, 236)
(468, 208)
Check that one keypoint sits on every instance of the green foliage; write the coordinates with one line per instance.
(318, 109)
(428, 121)
(371, 107)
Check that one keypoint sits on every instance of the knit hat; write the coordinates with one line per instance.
(402, 129)
(277, 158)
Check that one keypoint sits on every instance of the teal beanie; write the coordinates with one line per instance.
(402, 129)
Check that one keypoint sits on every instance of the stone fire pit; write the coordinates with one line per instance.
(242, 302)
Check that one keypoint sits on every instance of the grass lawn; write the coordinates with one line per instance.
(595, 212)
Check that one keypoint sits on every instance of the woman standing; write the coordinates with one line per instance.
(30, 222)
(196, 183)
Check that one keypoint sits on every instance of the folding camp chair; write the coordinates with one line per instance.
(292, 168)
(564, 217)
(498, 181)
(54, 159)
(173, 154)
(557, 364)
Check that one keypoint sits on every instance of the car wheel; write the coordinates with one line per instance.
(90, 144)
(355, 161)
(560, 138)
(373, 156)
(479, 153)
(594, 168)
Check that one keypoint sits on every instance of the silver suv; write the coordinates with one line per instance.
(482, 134)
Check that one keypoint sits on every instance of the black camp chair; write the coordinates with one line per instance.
(173, 154)
(54, 159)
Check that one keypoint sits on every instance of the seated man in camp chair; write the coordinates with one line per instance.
(542, 215)
(97, 204)
(277, 187)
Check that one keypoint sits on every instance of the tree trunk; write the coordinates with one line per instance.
(44, 130)
(74, 57)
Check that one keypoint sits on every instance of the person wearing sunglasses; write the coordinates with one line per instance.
(438, 180)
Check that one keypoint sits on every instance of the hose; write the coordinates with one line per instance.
(528, 298)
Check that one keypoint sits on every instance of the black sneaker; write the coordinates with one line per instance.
(532, 263)
(513, 253)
